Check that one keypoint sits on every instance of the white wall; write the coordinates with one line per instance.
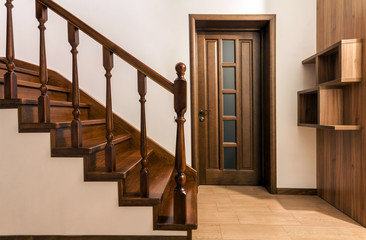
(41, 195)
(296, 40)
(157, 33)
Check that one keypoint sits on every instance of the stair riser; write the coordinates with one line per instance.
(21, 76)
(63, 135)
(34, 93)
(29, 114)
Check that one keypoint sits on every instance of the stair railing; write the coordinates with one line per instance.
(178, 88)
(10, 78)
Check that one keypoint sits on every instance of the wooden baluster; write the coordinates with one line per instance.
(180, 106)
(10, 79)
(43, 100)
(144, 173)
(76, 137)
(110, 151)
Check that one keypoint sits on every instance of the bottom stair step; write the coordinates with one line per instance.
(160, 174)
(166, 209)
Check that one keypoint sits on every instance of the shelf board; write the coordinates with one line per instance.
(309, 91)
(309, 60)
(330, 49)
(340, 82)
(332, 127)
(312, 125)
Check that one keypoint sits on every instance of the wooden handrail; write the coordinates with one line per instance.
(162, 81)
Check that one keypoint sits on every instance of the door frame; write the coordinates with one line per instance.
(266, 24)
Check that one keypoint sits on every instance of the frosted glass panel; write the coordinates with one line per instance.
(229, 158)
(228, 51)
(230, 131)
(228, 77)
(229, 104)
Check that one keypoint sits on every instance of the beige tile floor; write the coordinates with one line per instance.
(248, 212)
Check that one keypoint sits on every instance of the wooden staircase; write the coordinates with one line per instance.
(79, 126)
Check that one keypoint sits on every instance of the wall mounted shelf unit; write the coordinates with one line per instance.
(326, 105)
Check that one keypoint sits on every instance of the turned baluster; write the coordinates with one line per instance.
(180, 106)
(73, 34)
(43, 100)
(110, 151)
(144, 173)
(10, 79)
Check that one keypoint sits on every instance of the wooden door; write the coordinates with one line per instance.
(229, 103)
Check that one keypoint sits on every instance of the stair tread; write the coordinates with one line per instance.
(159, 177)
(93, 144)
(28, 101)
(60, 124)
(38, 85)
(125, 162)
(166, 209)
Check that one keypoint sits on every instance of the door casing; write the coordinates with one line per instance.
(265, 23)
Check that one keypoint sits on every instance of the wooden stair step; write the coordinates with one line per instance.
(159, 177)
(90, 146)
(45, 127)
(166, 208)
(38, 85)
(27, 101)
(125, 163)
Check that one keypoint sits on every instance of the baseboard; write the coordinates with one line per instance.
(297, 191)
(93, 237)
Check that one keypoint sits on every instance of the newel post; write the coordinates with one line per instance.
(180, 106)
(10, 79)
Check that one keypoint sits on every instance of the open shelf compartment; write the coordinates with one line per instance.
(339, 64)
(324, 108)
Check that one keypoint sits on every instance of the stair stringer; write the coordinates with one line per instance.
(41, 195)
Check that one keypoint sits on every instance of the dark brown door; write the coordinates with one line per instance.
(229, 103)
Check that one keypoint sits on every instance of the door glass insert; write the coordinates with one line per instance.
(230, 131)
(229, 158)
(229, 104)
(228, 77)
(228, 51)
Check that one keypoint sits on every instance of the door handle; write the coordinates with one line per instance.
(203, 112)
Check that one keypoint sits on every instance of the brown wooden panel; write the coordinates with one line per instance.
(330, 106)
(341, 167)
(212, 103)
(246, 160)
(351, 69)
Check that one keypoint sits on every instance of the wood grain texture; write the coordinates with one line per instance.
(340, 162)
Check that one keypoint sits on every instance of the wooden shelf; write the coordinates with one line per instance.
(332, 127)
(342, 60)
(310, 60)
(326, 106)
(340, 82)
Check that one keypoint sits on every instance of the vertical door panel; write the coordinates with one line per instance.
(212, 100)
(246, 161)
